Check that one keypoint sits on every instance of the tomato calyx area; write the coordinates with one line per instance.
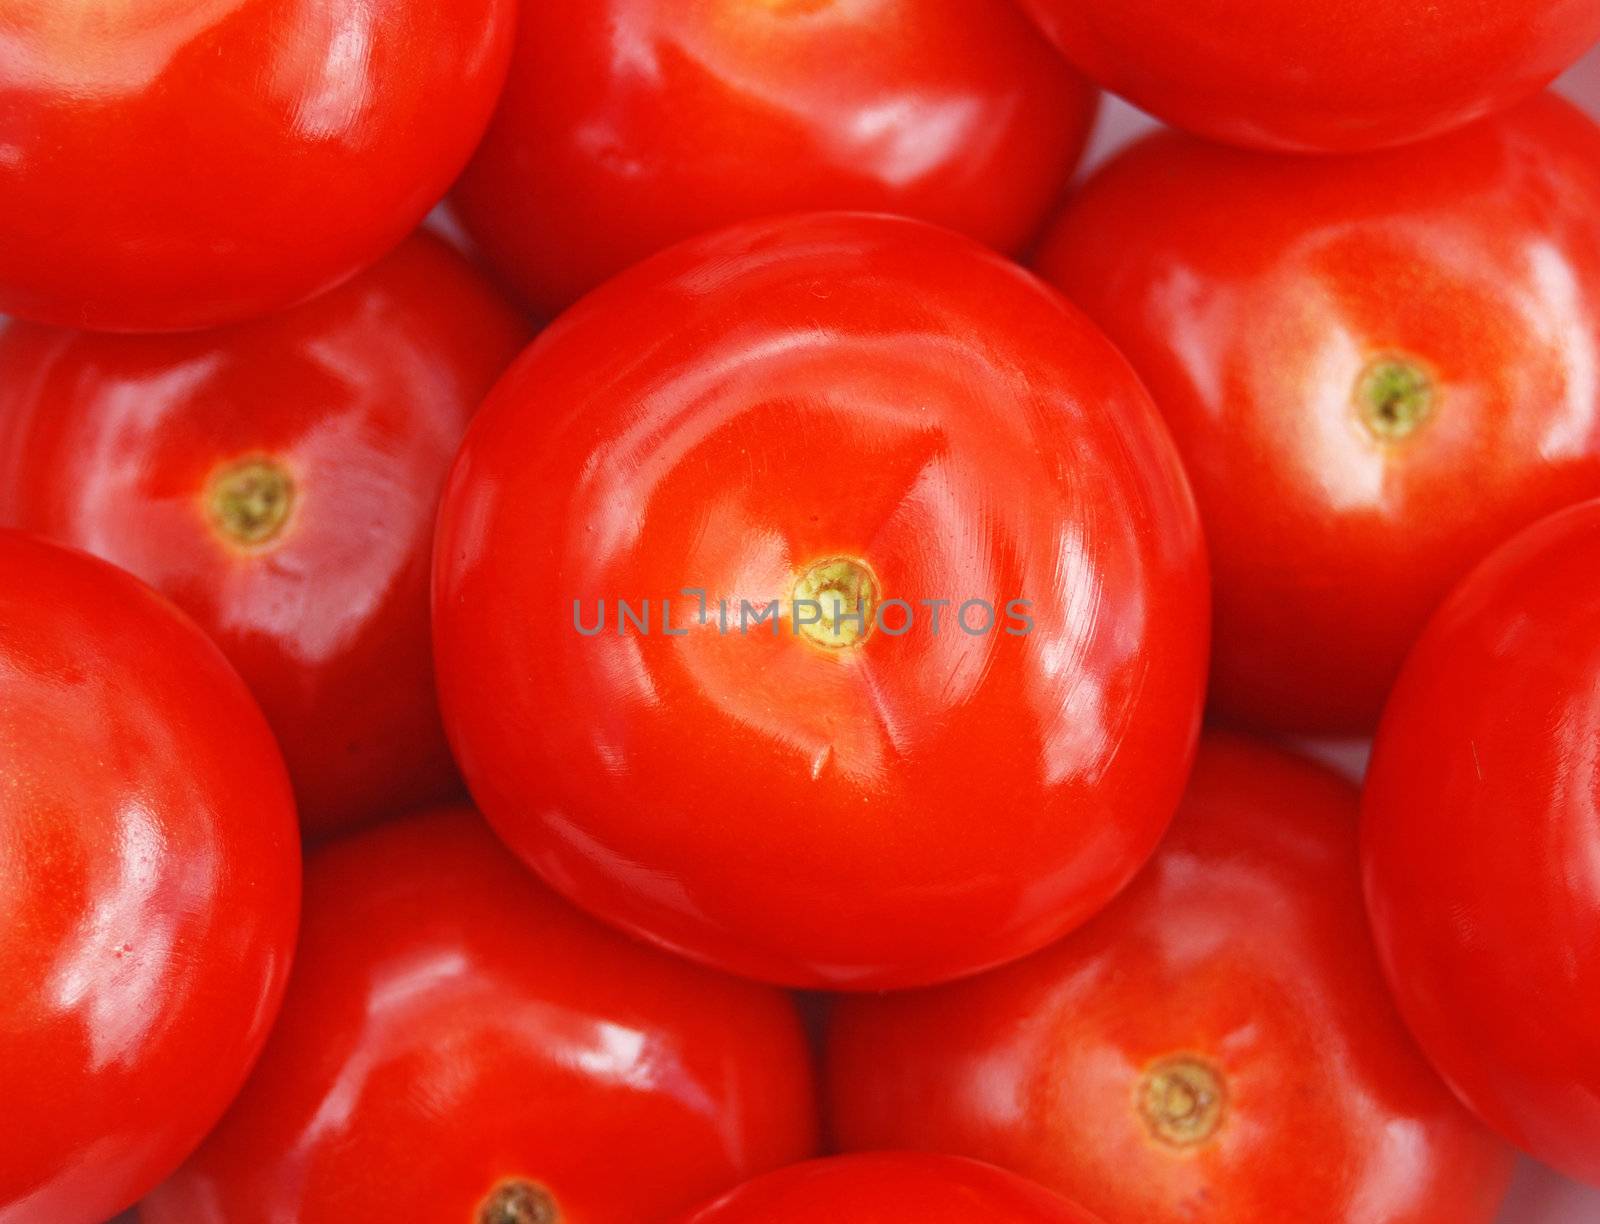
(835, 602)
(518, 1201)
(1395, 395)
(249, 502)
(1182, 1100)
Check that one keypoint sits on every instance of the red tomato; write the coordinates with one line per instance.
(149, 885)
(1217, 1046)
(171, 164)
(895, 1188)
(1377, 369)
(631, 124)
(1329, 76)
(279, 481)
(458, 1044)
(825, 414)
(1482, 843)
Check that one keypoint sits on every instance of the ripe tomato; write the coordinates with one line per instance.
(894, 1188)
(279, 480)
(1329, 76)
(168, 164)
(861, 410)
(1377, 369)
(1216, 1046)
(149, 885)
(1481, 841)
(459, 1044)
(631, 124)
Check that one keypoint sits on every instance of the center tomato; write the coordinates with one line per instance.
(658, 515)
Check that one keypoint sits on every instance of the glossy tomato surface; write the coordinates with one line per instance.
(814, 419)
(1216, 1046)
(628, 125)
(892, 1188)
(149, 885)
(1333, 76)
(458, 1044)
(1376, 368)
(174, 164)
(279, 480)
(1481, 841)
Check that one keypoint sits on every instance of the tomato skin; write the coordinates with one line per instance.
(810, 388)
(1325, 76)
(174, 165)
(451, 1026)
(113, 444)
(891, 1188)
(1479, 839)
(1255, 313)
(149, 885)
(629, 125)
(1242, 948)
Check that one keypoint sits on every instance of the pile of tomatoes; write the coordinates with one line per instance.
(749, 670)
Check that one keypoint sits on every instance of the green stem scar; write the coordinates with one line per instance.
(250, 501)
(1394, 396)
(519, 1202)
(836, 602)
(1182, 1100)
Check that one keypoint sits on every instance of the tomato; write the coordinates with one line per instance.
(1480, 841)
(811, 772)
(168, 164)
(279, 481)
(631, 124)
(893, 1188)
(459, 1044)
(1216, 1046)
(149, 885)
(1333, 76)
(1376, 368)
